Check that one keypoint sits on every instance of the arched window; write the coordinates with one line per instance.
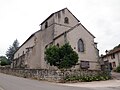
(80, 45)
(66, 20)
(46, 24)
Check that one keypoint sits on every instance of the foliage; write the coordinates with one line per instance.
(3, 58)
(118, 69)
(117, 47)
(62, 57)
(87, 78)
(52, 55)
(3, 61)
(12, 49)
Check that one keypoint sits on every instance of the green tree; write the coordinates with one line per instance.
(3, 61)
(52, 55)
(62, 57)
(68, 57)
(12, 49)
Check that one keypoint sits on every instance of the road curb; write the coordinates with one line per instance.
(110, 83)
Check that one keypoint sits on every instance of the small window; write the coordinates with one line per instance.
(113, 56)
(23, 52)
(84, 64)
(80, 45)
(46, 24)
(66, 20)
(18, 55)
(114, 64)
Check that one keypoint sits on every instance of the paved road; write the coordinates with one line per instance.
(8, 82)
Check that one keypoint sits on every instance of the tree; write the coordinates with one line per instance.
(12, 49)
(68, 57)
(52, 55)
(62, 57)
(3, 61)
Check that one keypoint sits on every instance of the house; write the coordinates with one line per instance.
(112, 57)
(60, 27)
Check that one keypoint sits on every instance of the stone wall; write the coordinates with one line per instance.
(49, 75)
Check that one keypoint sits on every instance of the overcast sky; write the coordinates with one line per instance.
(20, 18)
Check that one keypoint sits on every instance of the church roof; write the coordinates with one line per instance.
(87, 30)
(72, 29)
(27, 40)
(57, 12)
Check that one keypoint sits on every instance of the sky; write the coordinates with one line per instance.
(20, 18)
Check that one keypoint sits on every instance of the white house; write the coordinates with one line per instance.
(112, 57)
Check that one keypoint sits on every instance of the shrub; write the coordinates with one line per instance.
(118, 69)
(87, 78)
(63, 57)
(3, 63)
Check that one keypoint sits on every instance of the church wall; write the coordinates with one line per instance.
(60, 29)
(29, 43)
(90, 51)
(47, 37)
(50, 21)
(60, 41)
(32, 56)
(60, 25)
(35, 60)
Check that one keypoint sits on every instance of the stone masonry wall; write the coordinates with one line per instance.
(49, 75)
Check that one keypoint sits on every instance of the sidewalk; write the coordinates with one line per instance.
(116, 75)
(115, 82)
(108, 83)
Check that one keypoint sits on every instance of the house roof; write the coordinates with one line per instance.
(116, 50)
(57, 12)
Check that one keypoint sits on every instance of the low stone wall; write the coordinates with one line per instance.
(49, 75)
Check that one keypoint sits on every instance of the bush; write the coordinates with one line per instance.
(118, 69)
(3, 63)
(87, 78)
(63, 57)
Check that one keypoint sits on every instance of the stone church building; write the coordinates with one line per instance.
(60, 27)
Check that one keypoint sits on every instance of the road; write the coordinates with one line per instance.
(8, 82)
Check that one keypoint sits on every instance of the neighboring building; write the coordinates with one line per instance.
(60, 27)
(112, 57)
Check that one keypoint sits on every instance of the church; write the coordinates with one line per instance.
(59, 28)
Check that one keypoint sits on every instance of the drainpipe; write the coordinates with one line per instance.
(118, 58)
